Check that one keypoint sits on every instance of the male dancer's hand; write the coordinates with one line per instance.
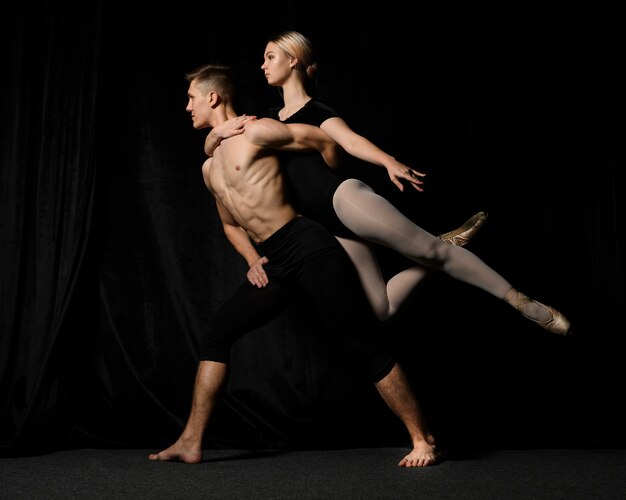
(256, 274)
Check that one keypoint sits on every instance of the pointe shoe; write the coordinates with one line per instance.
(461, 235)
(557, 323)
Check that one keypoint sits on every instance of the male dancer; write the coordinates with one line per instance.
(298, 254)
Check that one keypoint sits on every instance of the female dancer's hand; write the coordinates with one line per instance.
(229, 128)
(256, 273)
(398, 171)
(234, 126)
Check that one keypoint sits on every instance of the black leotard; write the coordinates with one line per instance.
(310, 182)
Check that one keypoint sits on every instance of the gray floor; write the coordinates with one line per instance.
(329, 474)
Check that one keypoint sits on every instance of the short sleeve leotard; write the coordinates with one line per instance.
(312, 183)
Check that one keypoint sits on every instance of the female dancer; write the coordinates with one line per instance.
(356, 214)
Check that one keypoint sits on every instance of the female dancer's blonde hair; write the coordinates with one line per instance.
(296, 45)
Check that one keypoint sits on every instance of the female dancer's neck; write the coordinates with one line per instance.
(294, 97)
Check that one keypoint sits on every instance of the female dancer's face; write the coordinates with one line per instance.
(276, 65)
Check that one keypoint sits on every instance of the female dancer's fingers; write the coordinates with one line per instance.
(412, 177)
(399, 173)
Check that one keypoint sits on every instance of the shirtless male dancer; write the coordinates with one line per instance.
(300, 256)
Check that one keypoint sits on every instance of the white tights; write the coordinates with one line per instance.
(376, 220)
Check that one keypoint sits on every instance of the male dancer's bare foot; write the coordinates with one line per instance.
(188, 447)
(422, 455)
(179, 452)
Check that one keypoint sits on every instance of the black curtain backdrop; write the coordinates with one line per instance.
(113, 257)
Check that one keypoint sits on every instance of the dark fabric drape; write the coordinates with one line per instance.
(107, 288)
(48, 174)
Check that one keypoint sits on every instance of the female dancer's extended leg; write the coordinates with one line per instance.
(375, 219)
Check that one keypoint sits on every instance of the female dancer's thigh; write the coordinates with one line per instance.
(375, 219)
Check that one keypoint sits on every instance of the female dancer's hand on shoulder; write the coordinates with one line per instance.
(231, 127)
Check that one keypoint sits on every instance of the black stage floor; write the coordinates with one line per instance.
(346, 474)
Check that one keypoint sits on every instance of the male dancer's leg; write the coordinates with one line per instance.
(248, 309)
(210, 379)
(333, 285)
(396, 391)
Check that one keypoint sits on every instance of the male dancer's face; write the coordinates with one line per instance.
(199, 106)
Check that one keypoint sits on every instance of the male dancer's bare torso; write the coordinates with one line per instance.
(247, 181)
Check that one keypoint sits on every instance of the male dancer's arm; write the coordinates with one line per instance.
(240, 240)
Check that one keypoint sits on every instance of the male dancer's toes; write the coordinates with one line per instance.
(422, 455)
(463, 234)
(179, 452)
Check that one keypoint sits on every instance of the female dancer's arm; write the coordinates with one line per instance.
(360, 147)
